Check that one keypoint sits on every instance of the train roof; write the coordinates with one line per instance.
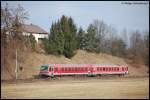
(79, 65)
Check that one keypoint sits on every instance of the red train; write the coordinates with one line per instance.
(82, 69)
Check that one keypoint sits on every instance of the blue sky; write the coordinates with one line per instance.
(130, 17)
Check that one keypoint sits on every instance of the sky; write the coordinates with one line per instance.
(129, 15)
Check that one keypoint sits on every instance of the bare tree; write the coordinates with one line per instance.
(101, 31)
(138, 47)
(11, 20)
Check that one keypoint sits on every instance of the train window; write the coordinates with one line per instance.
(100, 69)
(62, 69)
(85, 69)
(122, 69)
(117, 69)
(109, 69)
(49, 68)
(55, 69)
(114, 69)
(70, 68)
(75, 68)
(103, 69)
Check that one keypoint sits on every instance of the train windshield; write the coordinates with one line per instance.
(43, 68)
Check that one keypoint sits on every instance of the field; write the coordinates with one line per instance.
(136, 85)
(70, 88)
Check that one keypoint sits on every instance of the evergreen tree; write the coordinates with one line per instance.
(32, 41)
(56, 39)
(62, 38)
(91, 42)
(70, 39)
(81, 38)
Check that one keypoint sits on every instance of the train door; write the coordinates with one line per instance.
(90, 70)
(51, 69)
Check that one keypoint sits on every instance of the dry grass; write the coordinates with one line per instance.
(116, 88)
(33, 61)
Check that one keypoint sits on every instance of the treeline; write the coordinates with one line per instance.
(12, 39)
(12, 20)
(62, 39)
(65, 39)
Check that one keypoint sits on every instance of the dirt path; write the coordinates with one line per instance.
(91, 88)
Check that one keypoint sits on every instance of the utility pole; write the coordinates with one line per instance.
(16, 70)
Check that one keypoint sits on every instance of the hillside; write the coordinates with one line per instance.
(34, 60)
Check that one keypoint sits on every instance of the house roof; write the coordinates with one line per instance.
(33, 29)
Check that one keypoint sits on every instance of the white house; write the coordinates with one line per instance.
(35, 30)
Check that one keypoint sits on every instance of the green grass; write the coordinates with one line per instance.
(35, 67)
